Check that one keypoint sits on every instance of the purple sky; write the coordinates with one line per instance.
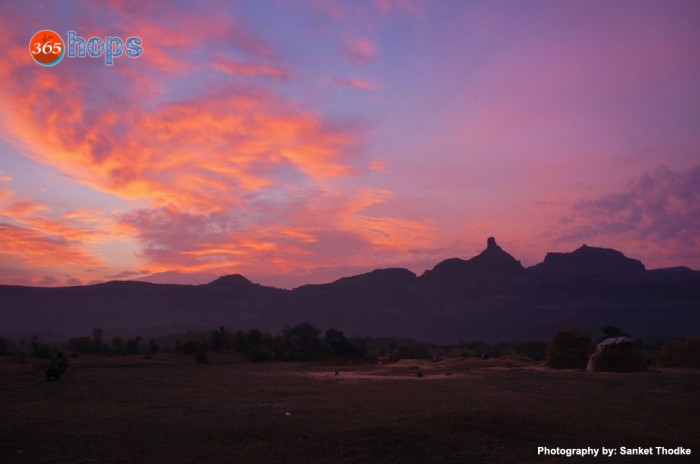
(298, 142)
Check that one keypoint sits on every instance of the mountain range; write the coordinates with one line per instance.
(490, 297)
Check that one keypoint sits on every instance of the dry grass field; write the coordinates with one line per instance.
(170, 410)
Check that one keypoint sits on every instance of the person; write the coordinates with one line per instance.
(57, 366)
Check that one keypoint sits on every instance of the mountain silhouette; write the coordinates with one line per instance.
(231, 281)
(590, 261)
(490, 297)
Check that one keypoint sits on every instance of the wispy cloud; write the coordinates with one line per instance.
(250, 69)
(657, 215)
(358, 83)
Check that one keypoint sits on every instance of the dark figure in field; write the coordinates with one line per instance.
(57, 366)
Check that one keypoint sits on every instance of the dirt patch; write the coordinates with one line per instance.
(159, 410)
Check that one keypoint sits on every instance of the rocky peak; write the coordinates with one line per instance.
(491, 244)
(492, 261)
(493, 258)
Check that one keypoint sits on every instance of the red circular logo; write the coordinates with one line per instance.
(47, 48)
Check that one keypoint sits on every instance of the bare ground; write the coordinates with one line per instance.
(167, 409)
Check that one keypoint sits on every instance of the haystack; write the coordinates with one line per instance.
(569, 349)
(618, 354)
(680, 353)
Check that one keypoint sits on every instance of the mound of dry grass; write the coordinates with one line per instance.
(569, 349)
(620, 357)
(680, 353)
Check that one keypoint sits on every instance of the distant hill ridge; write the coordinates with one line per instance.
(489, 297)
(590, 260)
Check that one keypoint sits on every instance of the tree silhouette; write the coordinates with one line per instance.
(302, 343)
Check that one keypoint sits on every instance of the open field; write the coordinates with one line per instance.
(132, 410)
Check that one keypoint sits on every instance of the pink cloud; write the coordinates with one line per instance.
(361, 50)
(248, 69)
(655, 218)
(358, 83)
(333, 9)
(412, 7)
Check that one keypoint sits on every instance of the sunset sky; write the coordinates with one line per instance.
(298, 142)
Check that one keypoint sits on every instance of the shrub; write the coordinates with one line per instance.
(569, 349)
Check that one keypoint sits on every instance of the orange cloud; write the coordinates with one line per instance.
(23, 208)
(227, 177)
(385, 234)
(324, 226)
(37, 240)
(6, 194)
(201, 153)
(377, 165)
(41, 249)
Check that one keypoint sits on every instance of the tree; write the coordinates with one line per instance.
(153, 347)
(341, 346)
(39, 349)
(190, 346)
(82, 345)
(302, 343)
(4, 347)
(219, 339)
(97, 339)
(133, 346)
(255, 337)
(119, 345)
